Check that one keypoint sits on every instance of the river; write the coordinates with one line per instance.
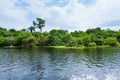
(60, 64)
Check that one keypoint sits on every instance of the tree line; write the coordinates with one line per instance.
(29, 37)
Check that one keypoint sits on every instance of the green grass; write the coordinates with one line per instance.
(82, 47)
(10, 47)
(58, 47)
(64, 47)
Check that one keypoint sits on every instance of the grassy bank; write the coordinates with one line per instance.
(10, 47)
(56, 47)
(82, 47)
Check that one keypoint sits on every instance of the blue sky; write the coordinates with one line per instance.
(61, 14)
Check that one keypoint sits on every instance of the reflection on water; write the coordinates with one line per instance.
(60, 64)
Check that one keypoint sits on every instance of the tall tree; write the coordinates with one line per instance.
(34, 24)
(32, 28)
(41, 23)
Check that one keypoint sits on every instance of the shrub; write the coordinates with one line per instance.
(86, 40)
(111, 41)
(2, 41)
(71, 44)
(10, 41)
(92, 44)
(29, 42)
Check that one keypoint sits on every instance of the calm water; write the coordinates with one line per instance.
(60, 64)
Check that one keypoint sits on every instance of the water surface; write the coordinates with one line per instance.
(60, 64)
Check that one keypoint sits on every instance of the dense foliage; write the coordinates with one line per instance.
(30, 38)
(91, 37)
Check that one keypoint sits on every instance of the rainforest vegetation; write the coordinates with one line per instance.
(29, 37)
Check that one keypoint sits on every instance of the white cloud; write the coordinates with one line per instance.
(11, 16)
(72, 16)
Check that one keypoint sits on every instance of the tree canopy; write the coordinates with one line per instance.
(29, 37)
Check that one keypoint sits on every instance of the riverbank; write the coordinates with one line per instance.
(56, 47)
(82, 47)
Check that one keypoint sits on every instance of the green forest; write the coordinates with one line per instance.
(29, 37)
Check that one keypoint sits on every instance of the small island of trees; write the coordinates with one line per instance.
(27, 38)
